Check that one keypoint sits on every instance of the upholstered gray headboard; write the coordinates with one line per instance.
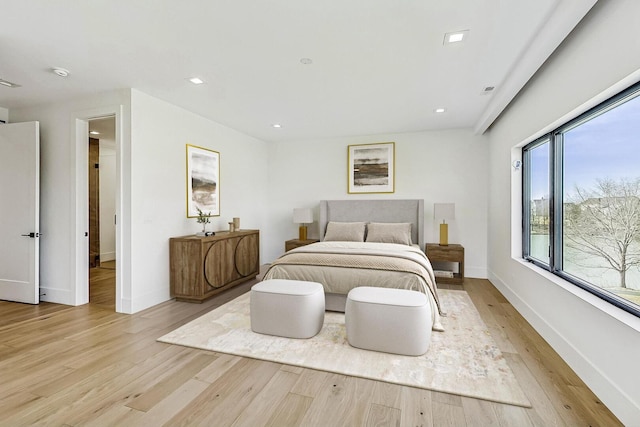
(375, 211)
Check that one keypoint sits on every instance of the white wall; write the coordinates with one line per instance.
(447, 166)
(600, 342)
(57, 189)
(4, 115)
(107, 199)
(159, 134)
(153, 170)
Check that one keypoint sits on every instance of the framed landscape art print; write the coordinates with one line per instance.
(371, 168)
(203, 181)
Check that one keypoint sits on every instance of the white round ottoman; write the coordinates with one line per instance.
(389, 320)
(287, 308)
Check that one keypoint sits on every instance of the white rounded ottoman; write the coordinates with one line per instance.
(287, 308)
(388, 320)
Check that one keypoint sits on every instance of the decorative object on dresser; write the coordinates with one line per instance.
(203, 181)
(371, 168)
(450, 253)
(203, 266)
(444, 211)
(296, 243)
(203, 218)
(302, 216)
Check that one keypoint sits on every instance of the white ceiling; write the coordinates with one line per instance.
(379, 66)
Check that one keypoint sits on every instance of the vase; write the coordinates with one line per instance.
(204, 230)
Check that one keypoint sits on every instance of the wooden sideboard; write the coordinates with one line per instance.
(204, 266)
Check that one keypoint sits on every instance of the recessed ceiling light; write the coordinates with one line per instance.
(277, 125)
(455, 37)
(196, 80)
(440, 110)
(62, 72)
(8, 83)
(306, 61)
(94, 132)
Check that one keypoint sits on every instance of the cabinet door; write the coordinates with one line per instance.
(218, 263)
(246, 255)
(186, 267)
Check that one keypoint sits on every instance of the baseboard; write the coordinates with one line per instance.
(107, 256)
(125, 307)
(611, 395)
(57, 296)
(475, 272)
(146, 301)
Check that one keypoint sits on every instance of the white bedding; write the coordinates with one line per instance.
(342, 266)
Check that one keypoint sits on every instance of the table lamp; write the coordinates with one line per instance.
(302, 216)
(444, 211)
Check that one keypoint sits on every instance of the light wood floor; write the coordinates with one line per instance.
(88, 365)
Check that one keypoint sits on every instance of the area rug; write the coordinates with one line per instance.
(463, 360)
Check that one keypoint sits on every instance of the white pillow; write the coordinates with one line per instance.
(345, 232)
(383, 232)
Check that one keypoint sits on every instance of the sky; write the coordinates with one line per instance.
(607, 146)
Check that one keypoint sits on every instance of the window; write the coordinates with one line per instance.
(538, 175)
(581, 201)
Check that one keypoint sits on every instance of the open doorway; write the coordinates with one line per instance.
(102, 212)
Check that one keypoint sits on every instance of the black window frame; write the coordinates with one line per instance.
(556, 214)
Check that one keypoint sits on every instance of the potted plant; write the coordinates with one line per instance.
(203, 218)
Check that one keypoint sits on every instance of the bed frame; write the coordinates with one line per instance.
(410, 210)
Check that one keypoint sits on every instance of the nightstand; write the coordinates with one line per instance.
(296, 243)
(449, 253)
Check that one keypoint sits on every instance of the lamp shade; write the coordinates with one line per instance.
(444, 211)
(302, 216)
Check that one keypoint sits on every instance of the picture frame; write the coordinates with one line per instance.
(203, 181)
(371, 168)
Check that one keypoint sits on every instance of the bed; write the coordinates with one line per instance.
(364, 243)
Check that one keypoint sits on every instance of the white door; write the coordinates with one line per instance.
(19, 212)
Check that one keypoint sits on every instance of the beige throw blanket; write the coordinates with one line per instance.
(342, 266)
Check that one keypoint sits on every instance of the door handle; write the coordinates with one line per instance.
(32, 235)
